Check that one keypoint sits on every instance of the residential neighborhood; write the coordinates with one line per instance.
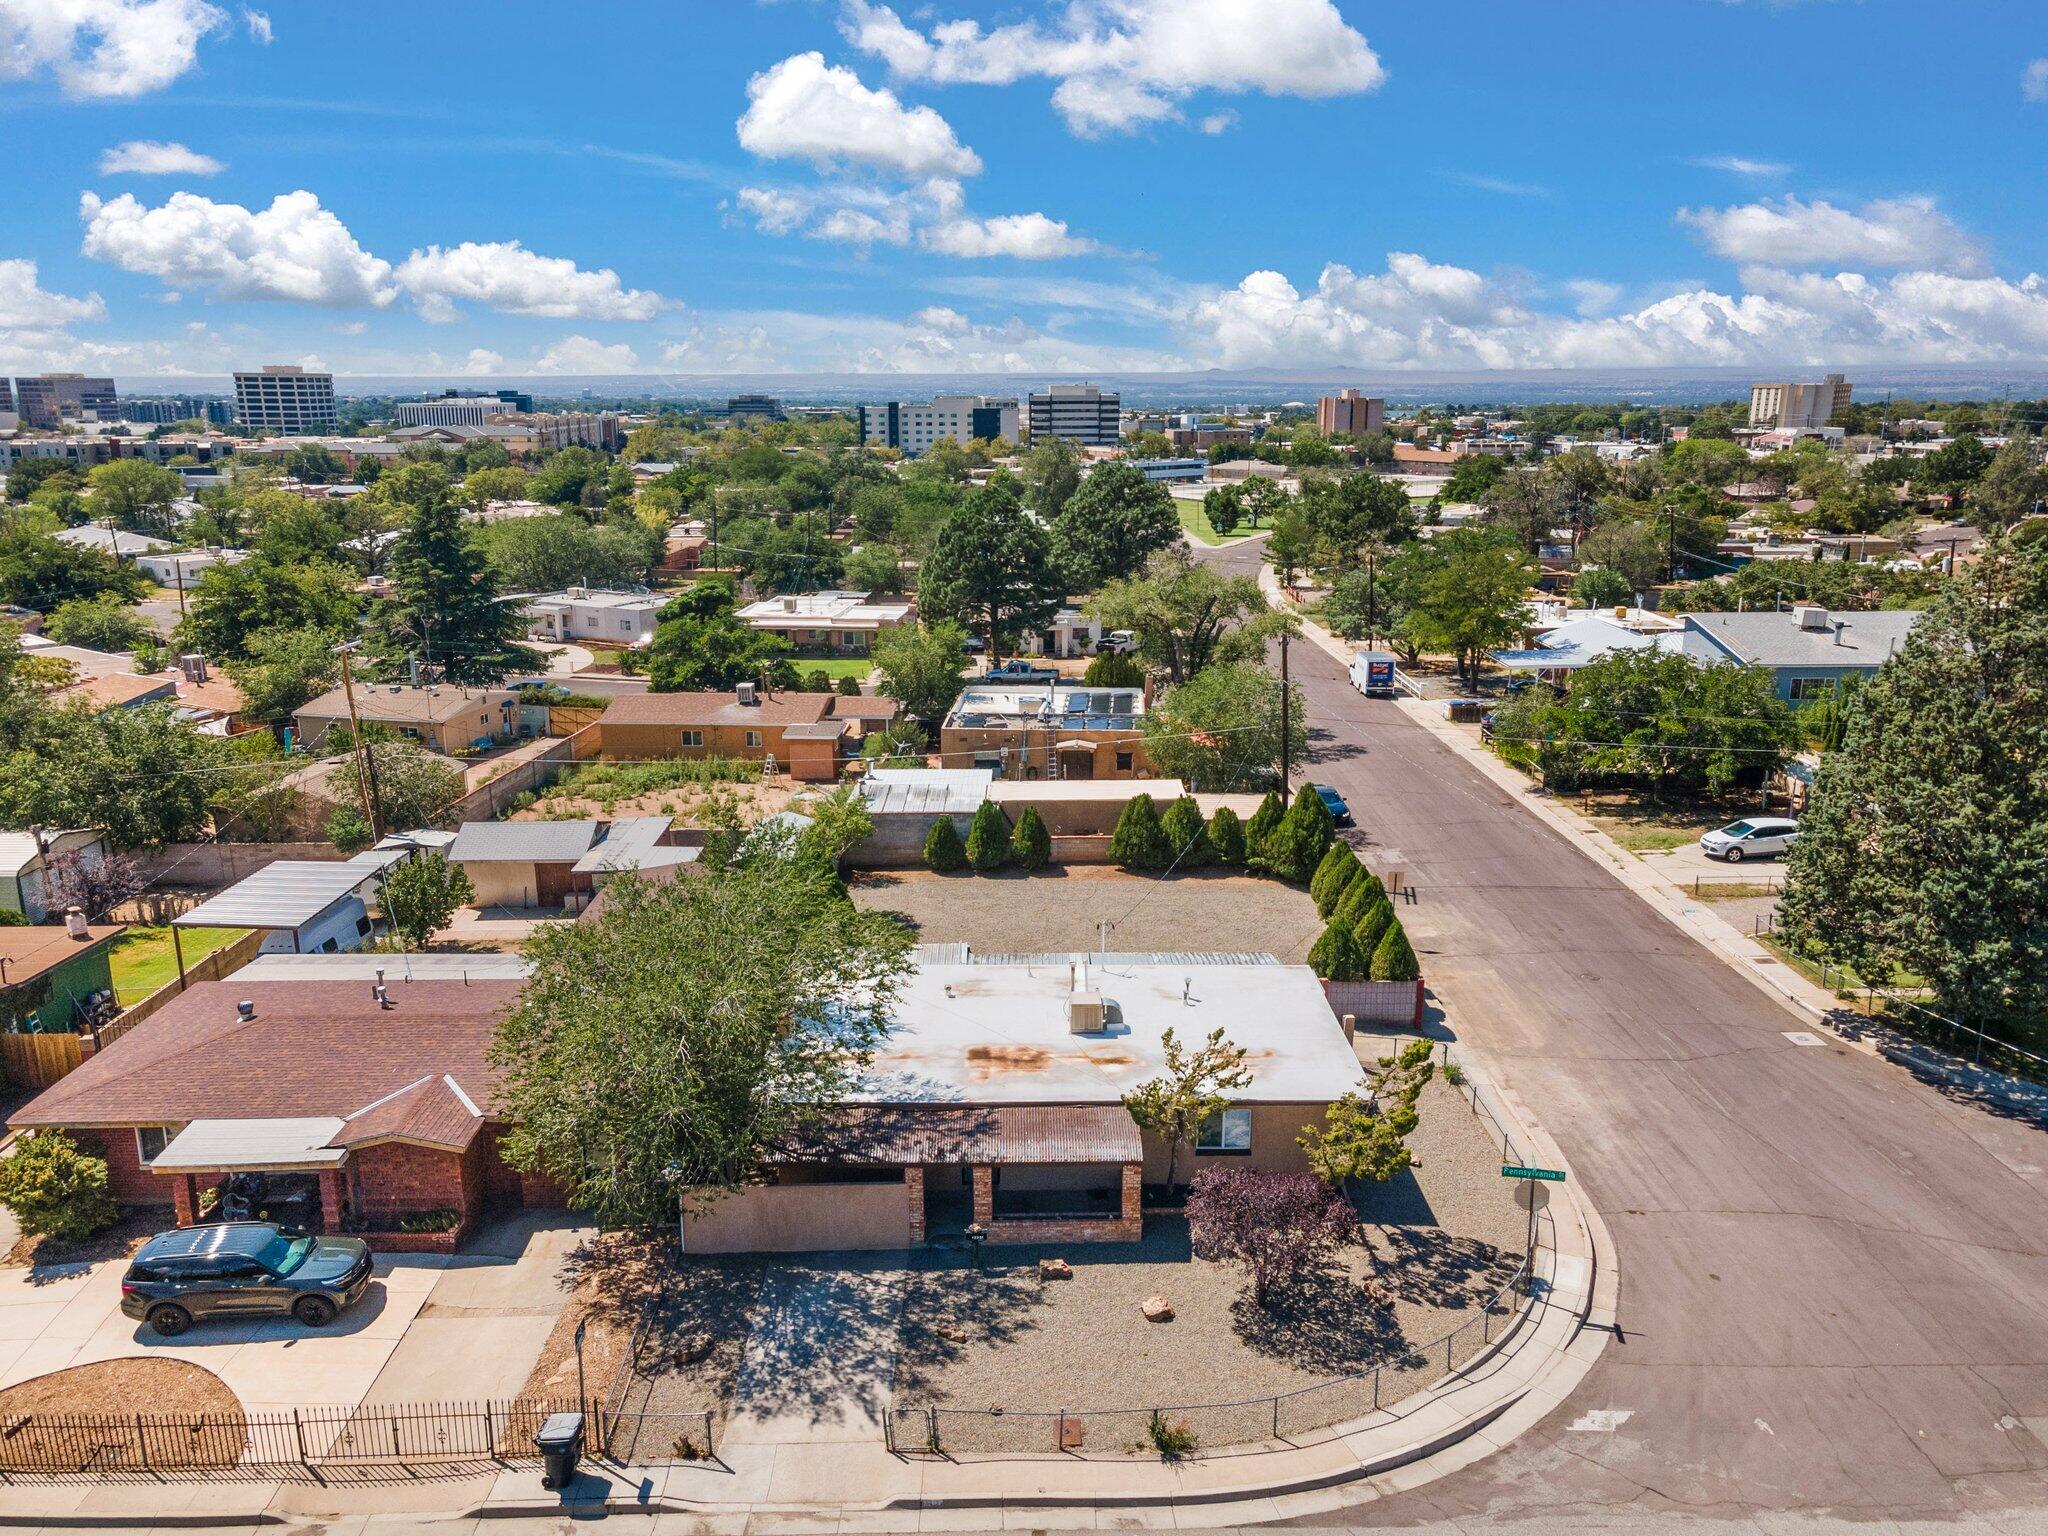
(784, 810)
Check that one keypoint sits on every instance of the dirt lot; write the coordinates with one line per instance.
(1057, 909)
(211, 1432)
(690, 805)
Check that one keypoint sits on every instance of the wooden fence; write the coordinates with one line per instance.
(36, 1061)
(221, 963)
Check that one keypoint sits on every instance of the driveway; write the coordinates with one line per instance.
(429, 1328)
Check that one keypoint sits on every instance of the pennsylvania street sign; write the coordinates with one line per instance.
(1516, 1171)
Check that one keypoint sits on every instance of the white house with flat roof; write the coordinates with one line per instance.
(627, 618)
(845, 622)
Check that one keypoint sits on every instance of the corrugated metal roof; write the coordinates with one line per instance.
(287, 894)
(523, 842)
(925, 791)
(280, 1143)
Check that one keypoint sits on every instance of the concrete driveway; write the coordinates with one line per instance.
(430, 1327)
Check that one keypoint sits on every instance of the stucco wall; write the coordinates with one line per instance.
(799, 1218)
(1274, 1128)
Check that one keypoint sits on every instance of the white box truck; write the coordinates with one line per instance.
(1372, 673)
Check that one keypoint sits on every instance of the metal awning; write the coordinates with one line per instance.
(287, 894)
(268, 1145)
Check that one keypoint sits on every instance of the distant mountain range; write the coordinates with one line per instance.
(1252, 386)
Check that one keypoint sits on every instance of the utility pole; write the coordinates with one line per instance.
(1286, 721)
(366, 762)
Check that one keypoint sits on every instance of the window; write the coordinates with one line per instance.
(625, 626)
(1230, 1131)
(693, 738)
(1123, 762)
(753, 738)
(1804, 688)
(149, 1141)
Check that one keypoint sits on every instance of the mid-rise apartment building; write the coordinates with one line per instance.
(50, 399)
(1799, 407)
(961, 419)
(286, 399)
(1350, 414)
(456, 408)
(1080, 413)
(163, 410)
(762, 407)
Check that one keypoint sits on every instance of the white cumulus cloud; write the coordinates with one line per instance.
(146, 157)
(933, 214)
(258, 23)
(104, 48)
(581, 354)
(1889, 233)
(507, 277)
(2034, 80)
(1026, 236)
(773, 212)
(806, 109)
(1123, 63)
(26, 306)
(294, 250)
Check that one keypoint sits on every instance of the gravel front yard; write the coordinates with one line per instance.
(1057, 909)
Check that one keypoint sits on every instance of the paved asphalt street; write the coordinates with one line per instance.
(1834, 1280)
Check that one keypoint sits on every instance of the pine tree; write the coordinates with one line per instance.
(443, 610)
(1187, 835)
(1139, 841)
(942, 849)
(1030, 843)
(1226, 838)
(1260, 827)
(1395, 960)
(1335, 956)
(1373, 926)
(988, 838)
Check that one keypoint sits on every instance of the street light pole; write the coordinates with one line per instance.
(366, 768)
(1286, 721)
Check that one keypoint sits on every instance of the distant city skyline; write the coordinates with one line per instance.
(962, 189)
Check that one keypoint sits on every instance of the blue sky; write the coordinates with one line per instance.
(1110, 184)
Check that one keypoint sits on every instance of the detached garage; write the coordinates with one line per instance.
(525, 864)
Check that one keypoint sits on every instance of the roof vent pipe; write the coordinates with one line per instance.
(245, 1010)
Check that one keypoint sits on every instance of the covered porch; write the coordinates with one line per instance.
(206, 1152)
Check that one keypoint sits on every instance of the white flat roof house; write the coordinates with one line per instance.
(827, 621)
(595, 613)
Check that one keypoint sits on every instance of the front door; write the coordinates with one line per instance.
(551, 884)
(1077, 764)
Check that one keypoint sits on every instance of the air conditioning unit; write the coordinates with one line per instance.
(1085, 1013)
(746, 693)
(1811, 616)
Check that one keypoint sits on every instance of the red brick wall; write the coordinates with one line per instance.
(396, 1179)
(131, 1183)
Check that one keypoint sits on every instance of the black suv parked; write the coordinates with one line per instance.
(242, 1269)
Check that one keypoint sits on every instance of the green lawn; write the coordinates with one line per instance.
(143, 959)
(1196, 521)
(856, 667)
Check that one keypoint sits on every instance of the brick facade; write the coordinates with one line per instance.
(1126, 1227)
(913, 1192)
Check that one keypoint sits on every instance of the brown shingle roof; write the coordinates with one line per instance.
(314, 1048)
(405, 705)
(434, 1110)
(32, 952)
(702, 709)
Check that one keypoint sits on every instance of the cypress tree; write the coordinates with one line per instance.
(1335, 956)
(1226, 837)
(942, 849)
(1030, 843)
(1373, 926)
(1263, 821)
(1356, 901)
(1395, 960)
(1187, 835)
(1332, 877)
(1298, 843)
(1139, 841)
(988, 838)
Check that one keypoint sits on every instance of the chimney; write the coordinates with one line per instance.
(746, 693)
(245, 1010)
(74, 923)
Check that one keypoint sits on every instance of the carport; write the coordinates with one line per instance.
(208, 1150)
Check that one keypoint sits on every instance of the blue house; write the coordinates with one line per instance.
(1809, 650)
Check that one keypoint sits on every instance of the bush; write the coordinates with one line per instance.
(1030, 842)
(1372, 927)
(443, 1218)
(1226, 838)
(817, 680)
(988, 838)
(1186, 833)
(349, 830)
(1333, 877)
(1336, 956)
(1171, 1438)
(1359, 898)
(942, 848)
(56, 1188)
(1110, 670)
(1294, 848)
(1395, 960)
(1139, 841)
(849, 687)
(1261, 826)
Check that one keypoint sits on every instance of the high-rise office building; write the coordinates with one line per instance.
(285, 399)
(1799, 407)
(51, 399)
(951, 418)
(1350, 414)
(1081, 413)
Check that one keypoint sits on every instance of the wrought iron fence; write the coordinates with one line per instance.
(1191, 1428)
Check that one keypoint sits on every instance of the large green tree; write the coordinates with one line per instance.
(443, 611)
(1052, 473)
(1111, 524)
(1924, 847)
(1187, 615)
(136, 495)
(37, 571)
(1466, 594)
(702, 644)
(231, 603)
(923, 667)
(1220, 730)
(991, 570)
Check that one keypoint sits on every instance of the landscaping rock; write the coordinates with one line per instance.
(1055, 1269)
(1158, 1309)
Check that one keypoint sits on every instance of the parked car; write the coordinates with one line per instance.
(1340, 813)
(242, 1269)
(1754, 838)
(1021, 671)
(1118, 642)
(974, 645)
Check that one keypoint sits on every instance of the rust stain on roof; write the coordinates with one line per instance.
(986, 1061)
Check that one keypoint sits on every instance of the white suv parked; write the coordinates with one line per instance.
(1750, 839)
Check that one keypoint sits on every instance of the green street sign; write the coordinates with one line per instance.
(1516, 1171)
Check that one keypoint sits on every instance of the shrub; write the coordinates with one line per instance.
(942, 848)
(988, 838)
(1030, 842)
(56, 1188)
(1395, 960)
(1372, 927)
(443, 1218)
(1333, 877)
(1186, 833)
(1226, 838)
(1357, 900)
(1294, 847)
(1336, 956)
(349, 829)
(1263, 821)
(817, 680)
(1110, 670)
(849, 687)
(1171, 1438)
(1139, 841)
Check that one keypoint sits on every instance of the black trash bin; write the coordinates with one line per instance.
(560, 1441)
